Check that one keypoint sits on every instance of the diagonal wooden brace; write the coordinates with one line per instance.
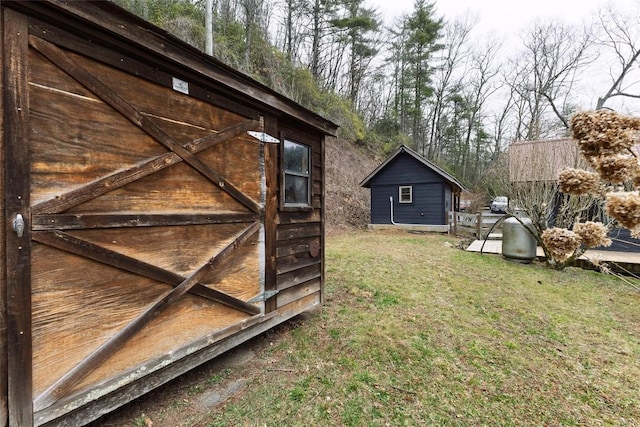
(74, 245)
(58, 57)
(64, 384)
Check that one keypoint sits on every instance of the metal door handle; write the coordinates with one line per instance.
(18, 225)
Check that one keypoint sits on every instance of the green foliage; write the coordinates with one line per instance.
(266, 63)
(219, 377)
(141, 421)
(384, 299)
(385, 135)
(340, 110)
(424, 29)
(229, 42)
(357, 26)
(263, 59)
(299, 84)
(360, 23)
(161, 11)
(418, 34)
(182, 18)
(255, 55)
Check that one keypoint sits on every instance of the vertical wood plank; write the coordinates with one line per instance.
(3, 253)
(323, 214)
(270, 212)
(18, 249)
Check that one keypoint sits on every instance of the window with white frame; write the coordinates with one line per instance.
(297, 174)
(405, 194)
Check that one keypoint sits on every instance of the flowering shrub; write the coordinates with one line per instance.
(606, 139)
(561, 243)
(624, 206)
(617, 168)
(592, 234)
(578, 181)
(604, 132)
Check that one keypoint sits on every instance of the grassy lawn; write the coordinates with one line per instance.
(416, 332)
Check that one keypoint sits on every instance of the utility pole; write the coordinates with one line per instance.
(209, 28)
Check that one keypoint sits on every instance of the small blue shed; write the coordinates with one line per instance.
(407, 189)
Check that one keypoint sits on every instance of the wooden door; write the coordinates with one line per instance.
(144, 233)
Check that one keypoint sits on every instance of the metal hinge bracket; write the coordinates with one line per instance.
(263, 137)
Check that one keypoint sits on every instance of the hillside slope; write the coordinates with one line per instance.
(347, 204)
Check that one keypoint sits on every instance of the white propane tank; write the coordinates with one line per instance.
(517, 242)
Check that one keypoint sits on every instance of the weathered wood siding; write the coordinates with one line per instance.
(300, 268)
(153, 219)
(89, 177)
(429, 193)
(543, 160)
(4, 415)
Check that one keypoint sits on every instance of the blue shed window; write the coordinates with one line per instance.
(405, 194)
(297, 174)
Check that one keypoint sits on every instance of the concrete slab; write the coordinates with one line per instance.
(488, 246)
(612, 256)
(495, 247)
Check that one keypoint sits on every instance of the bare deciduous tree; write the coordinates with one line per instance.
(484, 71)
(621, 37)
(456, 51)
(545, 73)
(292, 23)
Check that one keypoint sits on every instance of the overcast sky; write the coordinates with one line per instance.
(504, 16)
(506, 20)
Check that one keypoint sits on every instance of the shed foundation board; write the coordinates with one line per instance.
(411, 227)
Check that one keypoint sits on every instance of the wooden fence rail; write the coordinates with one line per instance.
(476, 225)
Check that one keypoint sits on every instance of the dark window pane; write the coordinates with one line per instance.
(296, 189)
(296, 157)
(296, 173)
(405, 194)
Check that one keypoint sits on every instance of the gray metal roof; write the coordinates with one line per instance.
(404, 149)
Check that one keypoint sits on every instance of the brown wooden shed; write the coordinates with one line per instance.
(159, 207)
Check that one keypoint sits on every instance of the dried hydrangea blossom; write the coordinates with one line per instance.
(624, 206)
(592, 234)
(635, 232)
(610, 141)
(586, 122)
(617, 143)
(617, 169)
(583, 122)
(560, 242)
(588, 151)
(578, 181)
(636, 180)
(600, 265)
(604, 131)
